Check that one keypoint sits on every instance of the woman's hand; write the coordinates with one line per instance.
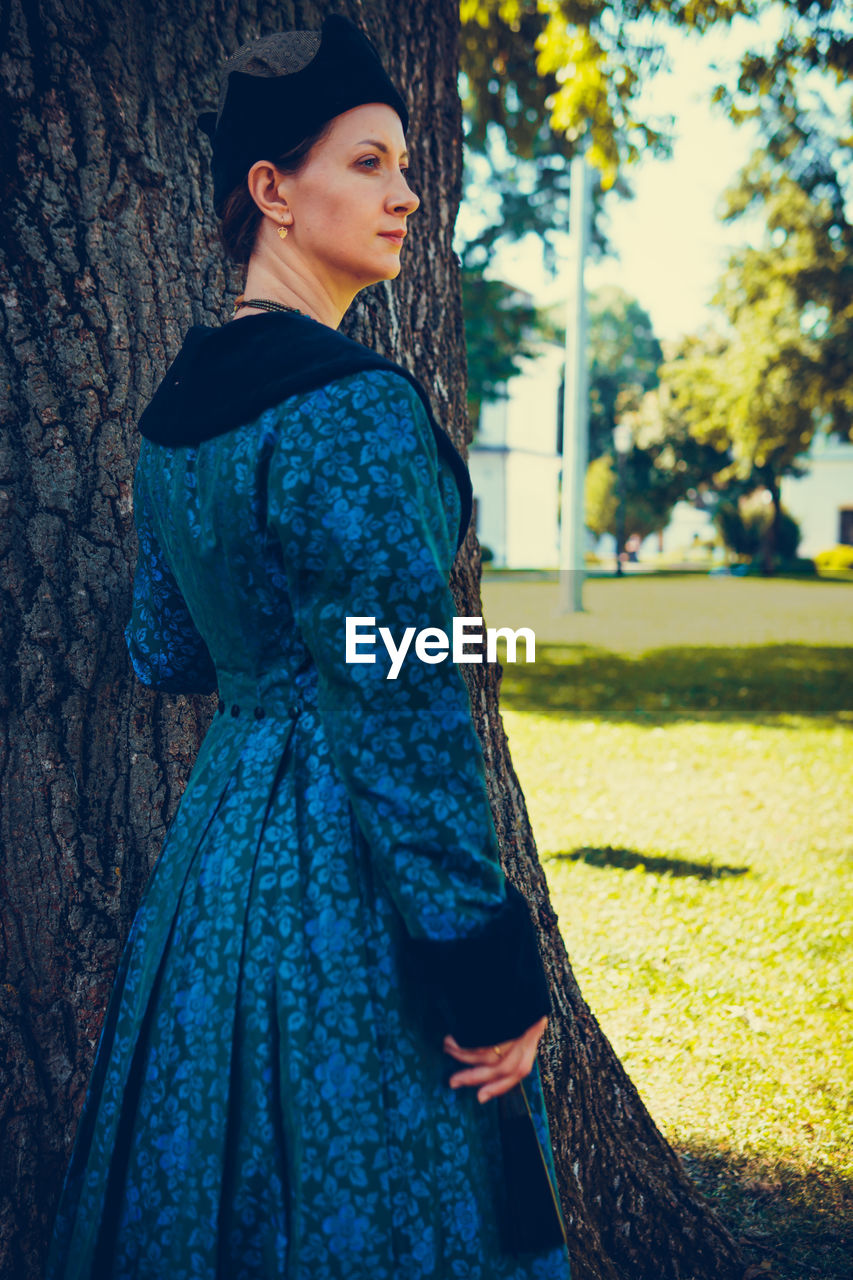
(500, 1067)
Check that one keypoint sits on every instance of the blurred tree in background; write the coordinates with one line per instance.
(623, 358)
(601, 498)
(502, 327)
(665, 463)
(648, 499)
(542, 76)
(783, 368)
(743, 526)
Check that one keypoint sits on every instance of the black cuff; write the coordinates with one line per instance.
(489, 986)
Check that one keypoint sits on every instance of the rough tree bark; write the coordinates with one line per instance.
(108, 253)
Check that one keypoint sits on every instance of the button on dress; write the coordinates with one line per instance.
(269, 1099)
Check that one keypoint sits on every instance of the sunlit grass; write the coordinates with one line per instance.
(691, 800)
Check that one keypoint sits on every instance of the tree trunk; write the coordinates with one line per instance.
(619, 534)
(109, 252)
(770, 541)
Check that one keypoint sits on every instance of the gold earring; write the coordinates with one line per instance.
(282, 231)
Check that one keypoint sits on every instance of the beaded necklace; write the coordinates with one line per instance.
(265, 304)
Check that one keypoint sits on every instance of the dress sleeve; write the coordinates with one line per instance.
(166, 650)
(354, 498)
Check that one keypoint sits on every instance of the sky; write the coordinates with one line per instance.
(671, 246)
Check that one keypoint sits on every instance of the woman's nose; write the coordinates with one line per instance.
(405, 200)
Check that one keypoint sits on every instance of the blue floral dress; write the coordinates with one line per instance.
(269, 1099)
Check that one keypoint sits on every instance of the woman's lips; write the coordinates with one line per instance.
(396, 236)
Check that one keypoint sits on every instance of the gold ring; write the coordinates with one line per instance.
(498, 1051)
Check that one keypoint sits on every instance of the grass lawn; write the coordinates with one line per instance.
(686, 749)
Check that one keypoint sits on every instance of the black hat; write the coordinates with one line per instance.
(276, 91)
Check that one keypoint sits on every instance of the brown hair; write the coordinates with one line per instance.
(241, 217)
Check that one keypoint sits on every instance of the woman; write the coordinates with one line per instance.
(329, 980)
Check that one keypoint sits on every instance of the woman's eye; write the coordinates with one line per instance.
(370, 161)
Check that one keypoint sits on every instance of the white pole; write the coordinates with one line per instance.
(575, 399)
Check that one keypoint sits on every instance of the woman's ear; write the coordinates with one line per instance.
(267, 188)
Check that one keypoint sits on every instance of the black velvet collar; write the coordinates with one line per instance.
(227, 375)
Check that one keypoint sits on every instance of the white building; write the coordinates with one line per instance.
(515, 468)
(515, 473)
(822, 501)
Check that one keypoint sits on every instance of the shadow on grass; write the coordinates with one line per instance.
(792, 1221)
(757, 682)
(628, 859)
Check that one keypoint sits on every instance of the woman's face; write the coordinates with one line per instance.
(349, 203)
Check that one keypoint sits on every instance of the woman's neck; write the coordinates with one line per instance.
(267, 276)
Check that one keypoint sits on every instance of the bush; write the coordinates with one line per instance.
(738, 535)
(835, 560)
(743, 527)
(788, 536)
(486, 554)
(800, 566)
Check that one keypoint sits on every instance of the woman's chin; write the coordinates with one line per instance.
(389, 271)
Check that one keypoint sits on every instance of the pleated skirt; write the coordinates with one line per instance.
(267, 1101)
